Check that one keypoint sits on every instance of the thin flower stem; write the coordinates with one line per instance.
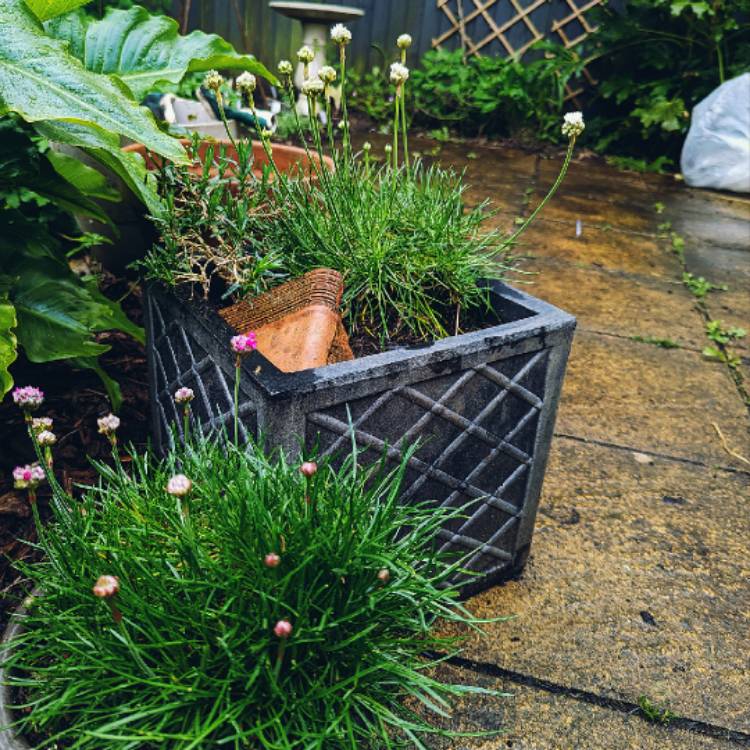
(404, 128)
(237, 371)
(394, 155)
(552, 191)
(344, 111)
(186, 423)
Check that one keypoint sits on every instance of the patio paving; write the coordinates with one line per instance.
(639, 581)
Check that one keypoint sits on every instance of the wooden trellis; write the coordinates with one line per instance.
(476, 24)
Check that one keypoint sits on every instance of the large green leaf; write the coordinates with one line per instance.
(41, 81)
(45, 9)
(8, 349)
(143, 50)
(87, 180)
(104, 147)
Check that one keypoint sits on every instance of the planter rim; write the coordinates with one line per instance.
(543, 319)
(9, 739)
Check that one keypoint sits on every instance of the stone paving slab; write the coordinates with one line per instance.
(620, 304)
(537, 720)
(638, 584)
(639, 395)
(610, 250)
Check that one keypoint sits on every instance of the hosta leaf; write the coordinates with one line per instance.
(8, 349)
(88, 180)
(46, 9)
(143, 50)
(104, 147)
(42, 82)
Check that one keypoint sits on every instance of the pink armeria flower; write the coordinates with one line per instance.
(243, 343)
(108, 425)
(308, 469)
(272, 560)
(184, 395)
(28, 398)
(283, 629)
(27, 477)
(179, 485)
(384, 575)
(106, 586)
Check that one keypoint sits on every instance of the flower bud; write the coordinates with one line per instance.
(213, 80)
(404, 41)
(184, 395)
(285, 68)
(308, 469)
(106, 587)
(366, 146)
(305, 54)
(40, 424)
(283, 629)
(272, 560)
(313, 87)
(384, 575)
(246, 83)
(179, 485)
(327, 74)
(46, 438)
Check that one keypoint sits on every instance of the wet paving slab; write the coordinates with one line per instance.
(535, 719)
(638, 584)
(663, 401)
(653, 309)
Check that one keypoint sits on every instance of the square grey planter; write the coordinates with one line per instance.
(482, 405)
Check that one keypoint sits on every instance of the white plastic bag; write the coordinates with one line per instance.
(716, 153)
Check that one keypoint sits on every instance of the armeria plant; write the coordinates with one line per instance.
(412, 255)
(223, 598)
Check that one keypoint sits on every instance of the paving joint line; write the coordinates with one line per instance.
(696, 726)
(636, 340)
(655, 454)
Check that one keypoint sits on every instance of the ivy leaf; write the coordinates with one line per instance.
(8, 344)
(142, 50)
(699, 8)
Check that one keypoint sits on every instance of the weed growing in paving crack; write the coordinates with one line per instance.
(656, 341)
(653, 712)
(723, 337)
(700, 287)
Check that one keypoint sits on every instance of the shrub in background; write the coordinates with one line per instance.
(654, 61)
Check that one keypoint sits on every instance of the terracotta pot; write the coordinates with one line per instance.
(135, 234)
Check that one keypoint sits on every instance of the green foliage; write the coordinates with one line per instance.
(46, 9)
(369, 93)
(699, 287)
(8, 342)
(142, 51)
(723, 337)
(655, 60)
(654, 712)
(657, 341)
(495, 95)
(194, 662)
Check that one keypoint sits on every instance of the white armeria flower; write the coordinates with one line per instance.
(399, 73)
(285, 68)
(184, 395)
(404, 41)
(108, 425)
(46, 438)
(213, 80)
(246, 82)
(327, 74)
(573, 124)
(313, 87)
(179, 485)
(305, 54)
(340, 34)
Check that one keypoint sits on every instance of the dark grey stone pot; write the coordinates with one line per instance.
(482, 405)
(9, 740)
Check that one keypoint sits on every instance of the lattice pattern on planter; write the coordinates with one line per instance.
(516, 25)
(181, 360)
(476, 430)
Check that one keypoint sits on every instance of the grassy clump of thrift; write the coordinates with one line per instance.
(289, 608)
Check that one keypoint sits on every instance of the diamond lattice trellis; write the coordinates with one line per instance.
(516, 25)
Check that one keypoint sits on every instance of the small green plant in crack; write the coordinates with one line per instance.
(659, 207)
(722, 337)
(663, 228)
(653, 712)
(700, 287)
(678, 244)
(656, 341)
